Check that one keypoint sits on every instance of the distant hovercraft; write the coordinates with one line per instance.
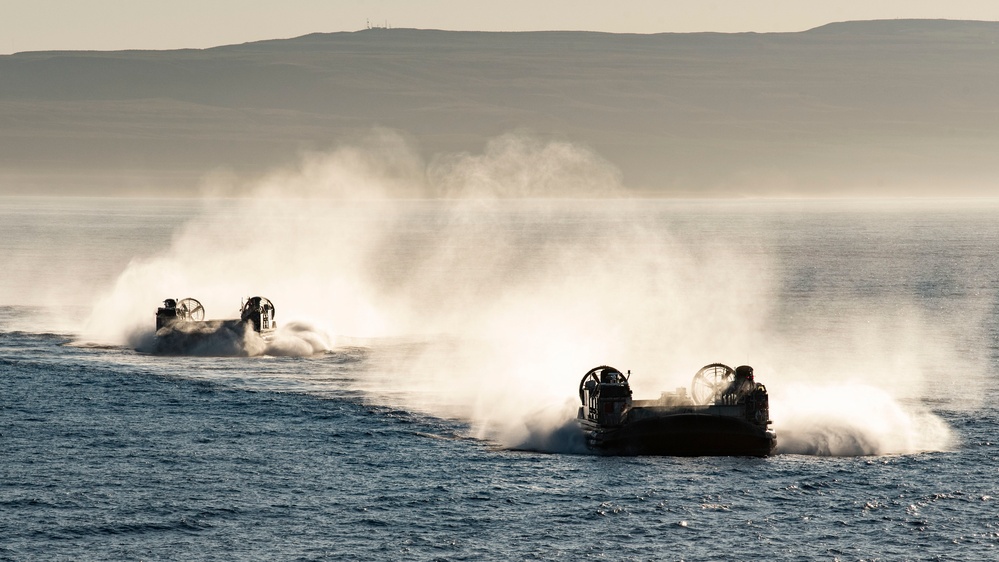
(257, 313)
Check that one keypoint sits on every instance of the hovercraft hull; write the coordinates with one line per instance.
(208, 337)
(682, 434)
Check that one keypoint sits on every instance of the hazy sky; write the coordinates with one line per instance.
(34, 25)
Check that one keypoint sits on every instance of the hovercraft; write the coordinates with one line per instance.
(188, 315)
(726, 413)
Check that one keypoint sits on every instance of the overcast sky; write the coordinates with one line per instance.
(35, 25)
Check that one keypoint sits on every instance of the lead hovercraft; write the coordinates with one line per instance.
(726, 413)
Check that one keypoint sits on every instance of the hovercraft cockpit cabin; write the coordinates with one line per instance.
(187, 314)
(726, 413)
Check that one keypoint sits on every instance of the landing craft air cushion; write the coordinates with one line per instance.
(726, 413)
(189, 315)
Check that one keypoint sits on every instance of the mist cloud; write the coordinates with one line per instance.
(509, 282)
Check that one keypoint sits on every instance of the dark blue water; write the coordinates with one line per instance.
(107, 453)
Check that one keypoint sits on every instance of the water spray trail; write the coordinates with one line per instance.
(514, 289)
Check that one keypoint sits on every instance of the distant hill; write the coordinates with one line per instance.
(900, 106)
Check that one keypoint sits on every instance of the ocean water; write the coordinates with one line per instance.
(417, 402)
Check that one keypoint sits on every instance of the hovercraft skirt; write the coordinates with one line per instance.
(683, 435)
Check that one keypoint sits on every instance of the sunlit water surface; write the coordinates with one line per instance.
(362, 451)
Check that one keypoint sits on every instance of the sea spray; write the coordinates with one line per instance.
(853, 419)
(513, 290)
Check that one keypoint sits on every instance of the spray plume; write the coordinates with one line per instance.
(529, 267)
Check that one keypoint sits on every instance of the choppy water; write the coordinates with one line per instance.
(394, 437)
